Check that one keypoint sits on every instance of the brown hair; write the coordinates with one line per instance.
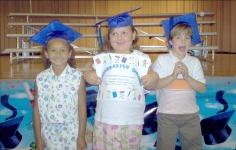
(107, 45)
(46, 62)
(180, 28)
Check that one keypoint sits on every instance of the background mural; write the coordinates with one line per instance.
(217, 113)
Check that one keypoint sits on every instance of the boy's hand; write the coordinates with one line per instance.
(184, 71)
(178, 69)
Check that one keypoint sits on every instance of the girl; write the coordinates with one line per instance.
(60, 94)
(119, 120)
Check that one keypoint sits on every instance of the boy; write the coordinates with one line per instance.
(180, 77)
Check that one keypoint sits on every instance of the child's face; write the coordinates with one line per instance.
(180, 45)
(58, 52)
(121, 39)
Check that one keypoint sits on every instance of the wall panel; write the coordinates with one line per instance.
(2, 25)
(223, 9)
(155, 8)
(63, 7)
(143, 30)
(226, 27)
(232, 35)
(11, 6)
(207, 7)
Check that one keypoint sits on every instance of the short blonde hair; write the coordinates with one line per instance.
(180, 28)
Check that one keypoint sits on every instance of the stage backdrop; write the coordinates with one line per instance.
(217, 105)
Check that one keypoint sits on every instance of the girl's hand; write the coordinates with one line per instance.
(150, 80)
(92, 78)
(81, 143)
(40, 144)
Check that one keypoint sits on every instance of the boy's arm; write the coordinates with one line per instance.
(157, 66)
(82, 115)
(163, 82)
(196, 85)
(37, 123)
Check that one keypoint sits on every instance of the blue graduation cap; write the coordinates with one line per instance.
(117, 21)
(190, 19)
(10, 137)
(53, 30)
(215, 129)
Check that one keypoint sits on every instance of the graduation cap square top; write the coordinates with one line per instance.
(117, 21)
(215, 129)
(55, 29)
(189, 19)
(9, 127)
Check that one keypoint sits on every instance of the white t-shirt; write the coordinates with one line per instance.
(177, 101)
(120, 112)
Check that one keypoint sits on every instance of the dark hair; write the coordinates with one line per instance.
(46, 62)
(107, 45)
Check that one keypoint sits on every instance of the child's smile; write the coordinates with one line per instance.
(121, 39)
(58, 52)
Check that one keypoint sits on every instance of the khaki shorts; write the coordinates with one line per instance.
(187, 126)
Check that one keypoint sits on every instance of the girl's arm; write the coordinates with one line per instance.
(91, 77)
(37, 123)
(81, 142)
(150, 81)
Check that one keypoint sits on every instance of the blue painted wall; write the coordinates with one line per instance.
(217, 105)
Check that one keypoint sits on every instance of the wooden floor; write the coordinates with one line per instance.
(223, 65)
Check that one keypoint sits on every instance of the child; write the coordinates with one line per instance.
(181, 76)
(120, 106)
(60, 95)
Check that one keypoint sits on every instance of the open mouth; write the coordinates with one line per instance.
(182, 48)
